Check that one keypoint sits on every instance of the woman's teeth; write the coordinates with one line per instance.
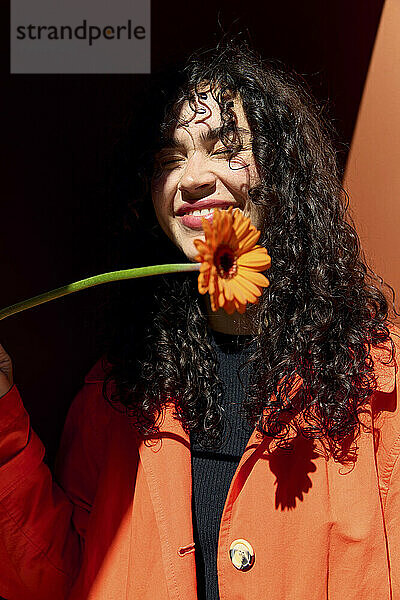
(201, 213)
(206, 212)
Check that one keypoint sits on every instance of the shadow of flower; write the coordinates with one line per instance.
(292, 468)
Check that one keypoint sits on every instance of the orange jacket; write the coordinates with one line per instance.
(118, 525)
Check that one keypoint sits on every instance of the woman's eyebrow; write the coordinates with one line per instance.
(169, 142)
(208, 136)
(213, 134)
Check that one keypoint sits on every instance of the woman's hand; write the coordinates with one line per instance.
(6, 374)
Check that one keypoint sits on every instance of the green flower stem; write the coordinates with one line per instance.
(96, 280)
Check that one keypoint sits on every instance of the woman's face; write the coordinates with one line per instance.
(195, 173)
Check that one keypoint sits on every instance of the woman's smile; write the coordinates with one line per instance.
(191, 215)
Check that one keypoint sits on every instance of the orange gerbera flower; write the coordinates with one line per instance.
(231, 261)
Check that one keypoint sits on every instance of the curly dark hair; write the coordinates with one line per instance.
(322, 311)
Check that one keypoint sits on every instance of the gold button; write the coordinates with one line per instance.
(242, 555)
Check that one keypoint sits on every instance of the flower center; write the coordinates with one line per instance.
(225, 261)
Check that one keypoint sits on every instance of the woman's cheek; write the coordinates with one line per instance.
(159, 182)
(237, 179)
(163, 192)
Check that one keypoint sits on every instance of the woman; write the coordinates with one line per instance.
(241, 455)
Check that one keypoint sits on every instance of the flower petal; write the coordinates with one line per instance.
(204, 267)
(238, 291)
(251, 287)
(227, 290)
(254, 276)
(214, 305)
(249, 295)
(207, 230)
(240, 307)
(241, 226)
(221, 298)
(256, 257)
(202, 247)
(226, 227)
(229, 307)
(248, 241)
(203, 281)
(212, 281)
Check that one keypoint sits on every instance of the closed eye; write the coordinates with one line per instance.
(222, 152)
(230, 152)
(169, 162)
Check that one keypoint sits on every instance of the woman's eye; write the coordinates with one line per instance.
(169, 163)
(227, 152)
(222, 152)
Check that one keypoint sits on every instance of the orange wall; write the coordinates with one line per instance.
(373, 169)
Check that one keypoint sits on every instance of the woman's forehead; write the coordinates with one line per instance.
(202, 116)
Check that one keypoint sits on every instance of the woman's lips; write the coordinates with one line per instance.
(193, 222)
(206, 205)
(188, 219)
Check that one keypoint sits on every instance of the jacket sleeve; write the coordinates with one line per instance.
(392, 519)
(43, 521)
(390, 458)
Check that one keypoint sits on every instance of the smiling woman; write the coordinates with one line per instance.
(248, 454)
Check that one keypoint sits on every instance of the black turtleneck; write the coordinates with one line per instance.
(212, 471)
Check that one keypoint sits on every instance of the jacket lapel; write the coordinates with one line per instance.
(167, 464)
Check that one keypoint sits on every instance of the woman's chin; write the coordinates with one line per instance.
(191, 256)
(189, 249)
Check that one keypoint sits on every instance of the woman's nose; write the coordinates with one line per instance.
(197, 177)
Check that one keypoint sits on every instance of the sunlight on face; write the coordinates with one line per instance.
(195, 172)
